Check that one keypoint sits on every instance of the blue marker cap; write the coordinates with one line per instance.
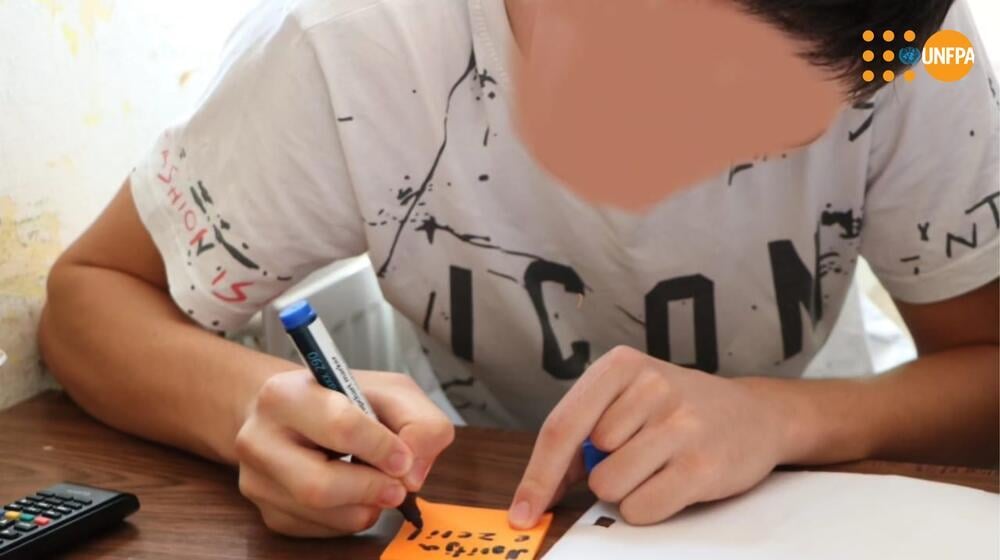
(592, 456)
(296, 315)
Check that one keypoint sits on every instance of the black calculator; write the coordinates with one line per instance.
(59, 517)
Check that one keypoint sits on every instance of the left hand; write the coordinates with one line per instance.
(676, 437)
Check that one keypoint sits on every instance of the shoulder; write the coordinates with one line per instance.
(323, 14)
(313, 13)
(277, 31)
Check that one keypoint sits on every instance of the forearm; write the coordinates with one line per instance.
(128, 356)
(941, 408)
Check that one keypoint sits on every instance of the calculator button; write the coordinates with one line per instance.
(64, 495)
(9, 534)
(32, 510)
(42, 521)
(27, 517)
(63, 509)
(52, 514)
(24, 502)
(25, 527)
(72, 505)
(82, 500)
(46, 493)
(5, 523)
(44, 505)
(12, 507)
(15, 515)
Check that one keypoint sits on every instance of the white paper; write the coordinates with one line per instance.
(800, 515)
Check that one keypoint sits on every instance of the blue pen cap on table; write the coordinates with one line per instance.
(297, 315)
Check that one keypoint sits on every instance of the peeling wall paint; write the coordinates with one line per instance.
(85, 86)
(29, 241)
(30, 237)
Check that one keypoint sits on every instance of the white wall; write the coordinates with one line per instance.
(85, 85)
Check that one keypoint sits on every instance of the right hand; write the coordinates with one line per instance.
(284, 464)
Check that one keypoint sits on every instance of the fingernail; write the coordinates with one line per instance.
(520, 515)
(392, 495)
(418, 473)
(400, 462)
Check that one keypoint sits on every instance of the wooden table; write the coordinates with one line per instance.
(192, 509)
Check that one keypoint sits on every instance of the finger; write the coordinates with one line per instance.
(352, 519)
(421, 425)
(342, 520)
(640, 458)
(314, 481)
(293, 526)
(329, 420)
(662, 496)
(577, 472)
(570, 422)
(649, 394)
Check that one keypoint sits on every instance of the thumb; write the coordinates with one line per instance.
(427, 440)
(420, 424)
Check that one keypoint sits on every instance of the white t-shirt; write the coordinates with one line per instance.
(336, 128)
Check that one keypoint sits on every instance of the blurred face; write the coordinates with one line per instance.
(627, 101)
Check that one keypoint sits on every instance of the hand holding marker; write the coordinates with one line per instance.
(329, 368)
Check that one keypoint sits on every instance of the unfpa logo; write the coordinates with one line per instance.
(947, 55)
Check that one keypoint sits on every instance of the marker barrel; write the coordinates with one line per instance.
(325, 362)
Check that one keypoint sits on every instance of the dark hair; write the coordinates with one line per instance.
(832, 32)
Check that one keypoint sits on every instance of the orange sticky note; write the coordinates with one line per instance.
(465, 532)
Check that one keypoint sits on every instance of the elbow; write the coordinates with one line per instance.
(55, 314)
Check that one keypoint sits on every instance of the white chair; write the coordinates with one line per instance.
(369, 333)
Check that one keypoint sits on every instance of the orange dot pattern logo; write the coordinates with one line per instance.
(888, 36)
(947, 55)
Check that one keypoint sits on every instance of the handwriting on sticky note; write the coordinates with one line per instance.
(465, 532)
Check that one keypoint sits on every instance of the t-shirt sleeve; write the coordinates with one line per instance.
(931, 215)
(251, 192)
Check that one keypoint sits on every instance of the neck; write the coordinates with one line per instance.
(521, 14)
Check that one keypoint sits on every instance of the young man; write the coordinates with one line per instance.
(673, 337)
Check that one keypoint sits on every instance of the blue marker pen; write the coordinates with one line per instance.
(592, 456)
(329, 368)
